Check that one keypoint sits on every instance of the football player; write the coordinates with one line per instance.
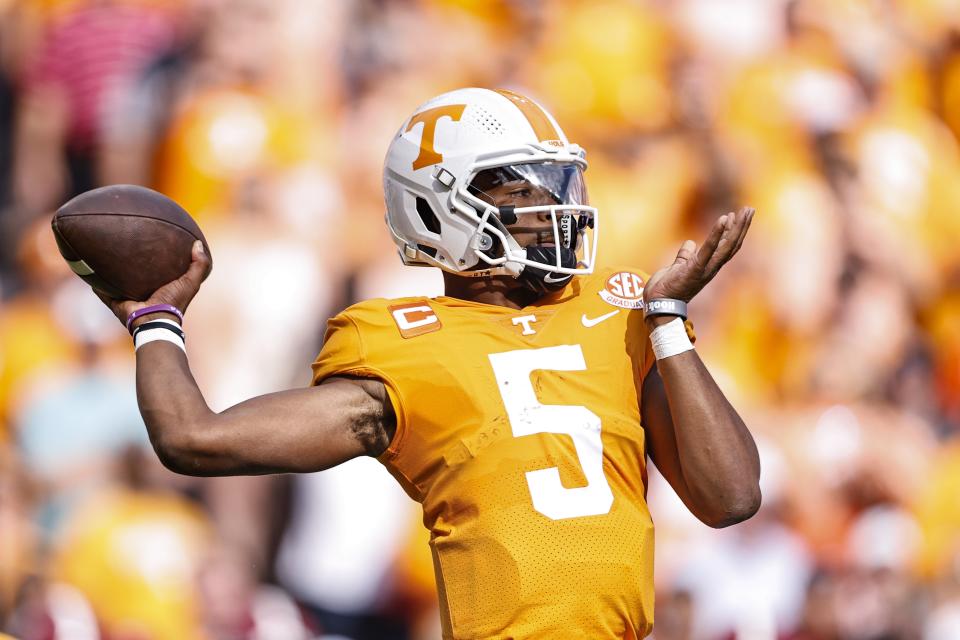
(518, 409)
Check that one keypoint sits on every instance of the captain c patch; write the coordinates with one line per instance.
(414, 319)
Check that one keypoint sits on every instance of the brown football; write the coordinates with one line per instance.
(124, 240)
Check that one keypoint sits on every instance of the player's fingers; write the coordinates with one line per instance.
(200, 266)
(200, 253)
(748, 218)
(687, 252)
(741, 231)
(731, 241)
(725, 244)
(713, 240)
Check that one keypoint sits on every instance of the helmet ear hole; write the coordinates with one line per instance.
(430, 251)
(427, 216)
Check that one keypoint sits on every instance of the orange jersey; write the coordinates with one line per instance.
(519, 433)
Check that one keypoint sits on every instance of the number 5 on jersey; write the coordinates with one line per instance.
(528, 416)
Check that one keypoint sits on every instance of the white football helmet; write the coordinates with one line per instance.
(436, 213)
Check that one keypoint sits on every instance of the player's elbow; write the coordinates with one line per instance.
(185, 452)
(174, 453)
(739, 507)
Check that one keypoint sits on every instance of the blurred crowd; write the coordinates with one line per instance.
(836, 331)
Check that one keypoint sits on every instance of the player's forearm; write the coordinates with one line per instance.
(189, 437)
(718, 457)
(171, 403)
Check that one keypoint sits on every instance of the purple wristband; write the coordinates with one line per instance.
(155, 308)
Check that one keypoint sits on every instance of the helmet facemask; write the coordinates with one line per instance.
(547, 200)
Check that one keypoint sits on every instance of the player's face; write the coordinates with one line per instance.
(523, 186)
(530, 228)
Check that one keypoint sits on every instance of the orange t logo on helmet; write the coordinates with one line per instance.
(428, 117)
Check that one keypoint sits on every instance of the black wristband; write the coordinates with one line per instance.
(159, 324)
(665, 307)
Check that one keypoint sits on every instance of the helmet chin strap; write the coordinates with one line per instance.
(541, 280)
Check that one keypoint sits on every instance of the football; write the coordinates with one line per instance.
(124, 240)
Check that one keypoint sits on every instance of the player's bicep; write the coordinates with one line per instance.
(373, 422)
(300, 430)
(660, 437)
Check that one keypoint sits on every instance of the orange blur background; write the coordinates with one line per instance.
(835, 331)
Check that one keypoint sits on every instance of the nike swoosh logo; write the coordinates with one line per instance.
(549, 278)
(591, 322)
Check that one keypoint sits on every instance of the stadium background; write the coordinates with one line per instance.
(836, 331)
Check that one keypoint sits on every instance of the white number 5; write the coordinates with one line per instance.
(528, 416)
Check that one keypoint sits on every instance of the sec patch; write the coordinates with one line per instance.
(623, 289)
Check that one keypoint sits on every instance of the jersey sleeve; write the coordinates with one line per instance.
(344, 353)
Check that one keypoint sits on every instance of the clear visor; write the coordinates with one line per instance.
(531, 185)
(534, 204)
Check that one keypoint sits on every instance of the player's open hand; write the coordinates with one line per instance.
(178, 293)
(694, 268)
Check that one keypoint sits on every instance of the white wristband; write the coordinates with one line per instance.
(152, 335)
(670, 339)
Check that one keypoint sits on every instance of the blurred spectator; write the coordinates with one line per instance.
(748, 581)
(7, 101)
(19, 537)
(89, 52)
(104, 553)
(32, 341)
(674, 616)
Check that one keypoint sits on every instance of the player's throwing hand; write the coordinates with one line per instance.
(693, 268)
(178, 293)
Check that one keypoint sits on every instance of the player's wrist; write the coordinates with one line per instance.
(154, 312)
(669, 338)
(152, 316)
(653, 322)
(160, 329)
(657, 306)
